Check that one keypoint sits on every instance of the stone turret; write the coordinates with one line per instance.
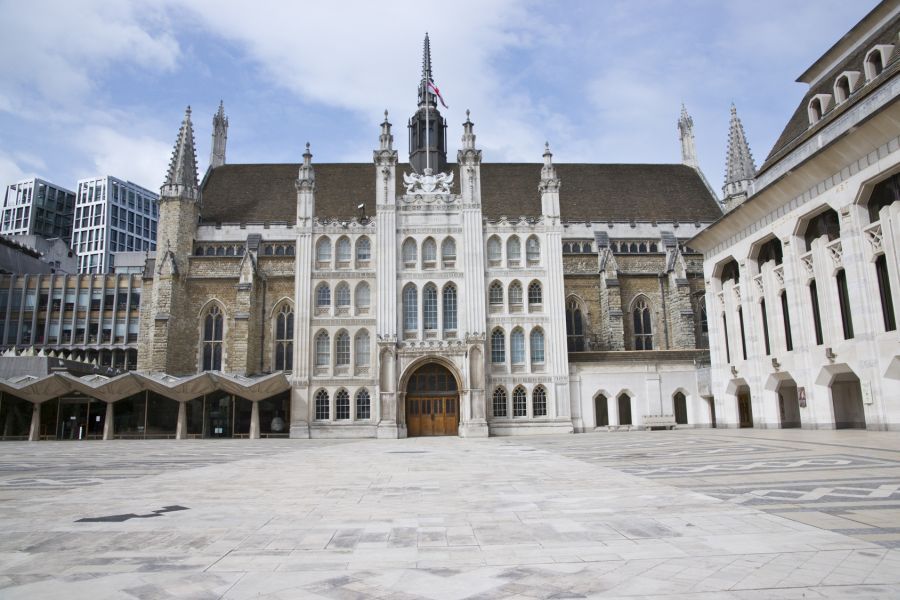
(219, 138)
(686, 135)
(739, 167)
(549, 186)
(427, 128)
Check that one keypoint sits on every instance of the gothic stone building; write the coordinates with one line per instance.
(431, 297)
(803, 272)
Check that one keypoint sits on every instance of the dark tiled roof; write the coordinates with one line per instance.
(798, 129)
(599, 192)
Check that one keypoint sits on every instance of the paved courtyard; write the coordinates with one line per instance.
(740, 514)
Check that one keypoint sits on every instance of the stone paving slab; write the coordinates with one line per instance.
(440, 518)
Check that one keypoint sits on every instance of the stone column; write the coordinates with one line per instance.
(254, 420)
(181, 425)
(108, 426)
(34, 433)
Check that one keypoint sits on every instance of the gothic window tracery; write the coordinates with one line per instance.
(499, 402)
(323, 250)
(498, 346)
(342, 405)
(284, 338)
(363, 249)
(448, 253)
(430, 307)
(323, 349)
(574, 326)
(342, 349)
(363, 297)
(495, 294)
(643, 328)
(410, 308)
(535, 294)
(361, 349)
(323, 406)
(537, 345)
(429, 253)
(533, 251)
(517, 346)
(410, 253)
(494, 250)
(342, 295)
(449, 307)
(363, 405)
(213, 333)
(539, 401)
(343, 251)
(323, 295)
(520, 402)
(513, 251)
(515, 296)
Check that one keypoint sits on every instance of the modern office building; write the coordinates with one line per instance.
(38, 207)
(112, 215)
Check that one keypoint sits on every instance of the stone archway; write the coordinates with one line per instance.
(432, 401)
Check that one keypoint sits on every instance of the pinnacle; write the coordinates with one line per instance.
(183, 166)
(739, 163)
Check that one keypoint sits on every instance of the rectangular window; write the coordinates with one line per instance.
(884, 292)
(765, 324)
(817, 318)
(844, 302)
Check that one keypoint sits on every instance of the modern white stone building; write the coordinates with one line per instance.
(802, 274)
(37, 207)
(112, 215)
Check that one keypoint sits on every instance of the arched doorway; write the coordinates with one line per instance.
(432, 402)
(679, 403)
(624, 409)
(846, 396)
(601, 410)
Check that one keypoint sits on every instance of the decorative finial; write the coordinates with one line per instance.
(467, 113)
(385, 115)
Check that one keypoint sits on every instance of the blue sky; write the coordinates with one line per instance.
(99, 86)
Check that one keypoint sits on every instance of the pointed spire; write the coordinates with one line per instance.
(386, 139)
(739, 167)
(181, 180)
(426, 60)
(548, 171)
(219, 138)
(468, 138)
(686, 135)
(307, 174)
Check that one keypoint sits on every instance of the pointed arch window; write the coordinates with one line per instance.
(342, 295)
(323, 406)
(410, 253)
(535, 295)
(430, 307)
(323, 349)
(498, 347)
(363, 405)
(515, 296)
(342, 405)
(342, 349)
(363, 297)
(361, 349)
(429, 253)
(449, 307)
(343, 252)
(323, 296)
(410, 308)
(323, 250)
(213, 333)
(495, 295)
(537, 345)
(513, 251)
(520, 402)
(643, 327)
(517, 346)
(284, 338)
(363, 250)
(574, 327)
(533, 251)
(786, 320)
(494, 250)
(448, 253)
(499, 402)
(539, 401)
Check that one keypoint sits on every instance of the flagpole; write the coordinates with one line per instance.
(427, 119)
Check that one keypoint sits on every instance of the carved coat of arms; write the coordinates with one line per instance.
(428, 182)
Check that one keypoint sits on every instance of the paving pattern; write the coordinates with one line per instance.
(762, 514)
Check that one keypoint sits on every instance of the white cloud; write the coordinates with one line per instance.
(11, 171)
(139, 158)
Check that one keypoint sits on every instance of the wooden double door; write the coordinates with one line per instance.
(432, 415)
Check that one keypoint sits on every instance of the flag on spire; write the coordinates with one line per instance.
(434, 90)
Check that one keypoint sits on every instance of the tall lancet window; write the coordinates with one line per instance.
(284, 338)
(643, 328)
(449, 307)
(213, 333)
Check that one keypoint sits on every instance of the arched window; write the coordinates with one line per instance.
(342, 349)
(429, 307)
(323, 295)
(448, 253)
(495, 294)
(429, 253)
(342, 251)
(323, 406)
(198, 251)
(643, 329)
(363, 249)
(539, 401)
(363, 405)
(533, 251)
(213, 331)
(220, 251)
(323, 350)
(574, 327)
(499, 402)
(520, 402)
(498, 347)
(361, 349)
(624, 402)
(210, 251)
(874, 64)
(410, 308)
(679, 403)
(409, 253)
(653, 247)
(537, 345)
(284, 338)
(841, 89)
(342, 295)
(513, 251)
(535, 295)
(643, 247)
(449, 307)
(825, 224)
(815, 110)
(517, 346)
(342, 405)
(230, 250)
(633, 248)
(323, 250)
(494, 250)
(515, 296)
(363, 297)
(289, 250)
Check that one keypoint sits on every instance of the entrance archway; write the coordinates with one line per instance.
(745, 407)
(432, 402)
(788, 404)
(601, 410)
(846, 396)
